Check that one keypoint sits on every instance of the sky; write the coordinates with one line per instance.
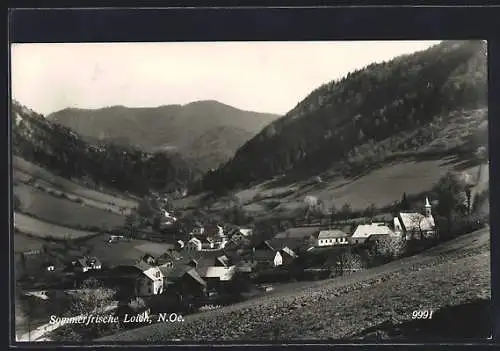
(256, 76)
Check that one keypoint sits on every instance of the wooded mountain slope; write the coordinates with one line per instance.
(65, 153)
(179, 127)
(370, 115)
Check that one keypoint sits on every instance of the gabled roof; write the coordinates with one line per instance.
(265, 245)
(223, 260)
(85, 261)
(151, 273)
(142, 266)
(194, 274)
(288, 251)
(223, 273)
(363, 231)
(329, 234)
(246, 231)
(416, 221)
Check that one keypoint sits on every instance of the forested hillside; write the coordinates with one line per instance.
(222, 128)
(64, 152)
(433, 101)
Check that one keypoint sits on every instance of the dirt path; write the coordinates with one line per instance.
(450, 274)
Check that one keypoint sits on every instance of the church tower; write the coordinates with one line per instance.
(427, 208)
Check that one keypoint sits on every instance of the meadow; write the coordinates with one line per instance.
(381, 187)
(29, 170)
(64, 212)
(37, 228)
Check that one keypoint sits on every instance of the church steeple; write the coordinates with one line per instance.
(428, 207)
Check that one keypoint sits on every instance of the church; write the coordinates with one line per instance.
(415, 225)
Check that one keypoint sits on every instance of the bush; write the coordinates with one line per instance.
(386, 249)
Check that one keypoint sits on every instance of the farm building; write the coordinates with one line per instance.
(86, 264)
(185, 280)
(330, 238)
(364, 231)
(150, 282)
(414, 225)
(220, 268)
(241, 234)
(294, 238)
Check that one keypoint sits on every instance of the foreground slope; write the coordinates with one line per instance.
(451, 274)
(223, 127)
(432, 101)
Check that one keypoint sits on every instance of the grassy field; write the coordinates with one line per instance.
(63, 211)
(25, 170)
(452, 274)
(36, 227)
(24, 243)
(381, 187)
(122, 252)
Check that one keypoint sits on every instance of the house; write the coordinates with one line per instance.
(364, 231)
(179, 244)
(167, 218)
(86, 264)
(240, 234)
(219, 268)
(115, 238)
(415, 225)
(185, 280)
(263, 252)
(194, 244)
(197, 230)
(330, 238)
(169, 256)
(214, 230)
(150, 282)
(287, 255)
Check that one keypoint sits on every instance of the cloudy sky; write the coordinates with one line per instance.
(259, 76)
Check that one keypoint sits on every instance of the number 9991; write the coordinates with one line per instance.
(422, 314)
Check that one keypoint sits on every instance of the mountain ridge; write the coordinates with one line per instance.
(177, 126)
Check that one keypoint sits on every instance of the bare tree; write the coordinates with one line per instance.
(92, 299)
(391, 247)
(350, 262)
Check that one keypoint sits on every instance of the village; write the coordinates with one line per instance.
(213, 264)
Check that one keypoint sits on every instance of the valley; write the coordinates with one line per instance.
(368, 200)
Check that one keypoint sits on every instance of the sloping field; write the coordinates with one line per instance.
(450, 274)
(381, 187)
(35, 227)
(121, 252)
(62, 211)
(43, 175)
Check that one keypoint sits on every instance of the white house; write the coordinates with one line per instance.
(364, 231)
(278, 259)
(150, 282)
(220, 269)
(414, 225)
(193, 244)
(330, 238)
(86, 264)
